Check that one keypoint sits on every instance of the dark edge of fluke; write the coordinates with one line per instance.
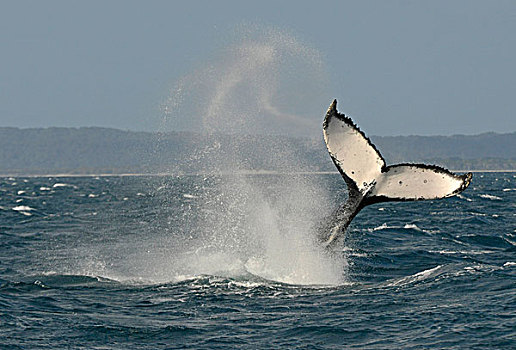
(333, 110)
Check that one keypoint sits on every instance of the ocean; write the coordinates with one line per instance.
(230, 262)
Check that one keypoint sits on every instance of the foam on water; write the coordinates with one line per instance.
(491, 197)
(417, 277)
(22, 208)
(463, 197)
(381, 227)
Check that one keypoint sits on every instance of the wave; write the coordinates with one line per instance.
(417, 277)
(444, 272)
(414, 227)
(464, 197)
(462, 252)
(24, 209)
(491, 197)
(56, 185)
(51, 281)
(247, 282)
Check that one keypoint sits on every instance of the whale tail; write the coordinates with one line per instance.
(370, 180)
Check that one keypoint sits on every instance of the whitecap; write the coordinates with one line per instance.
(491, 197)
(56, 185)
(509, 263)
(444, 252)
(412, 226)
(20, 192)
(417, 228)
(465, 198)
(381, 227)
(189, 196)
(91, 195)
(23, 208)
(44, 188)
(479, 268)
(420, 276)
(465, 252)
(426, 273)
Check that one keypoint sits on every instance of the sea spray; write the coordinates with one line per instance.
(224, 217)
(266, 82)
(251, 223)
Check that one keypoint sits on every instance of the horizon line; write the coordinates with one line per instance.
(218, 133)
(262, 172)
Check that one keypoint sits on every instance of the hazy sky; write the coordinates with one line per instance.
(397, 67)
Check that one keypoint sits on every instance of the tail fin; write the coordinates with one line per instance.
(370, 181)
(364, 169)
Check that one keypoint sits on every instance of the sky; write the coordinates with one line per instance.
(397, 67)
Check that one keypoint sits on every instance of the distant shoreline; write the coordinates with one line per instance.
(256, 172)
(63, 152)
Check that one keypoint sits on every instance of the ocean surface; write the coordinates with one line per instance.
(218, 262)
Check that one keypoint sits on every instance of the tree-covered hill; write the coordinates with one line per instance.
(103, 150)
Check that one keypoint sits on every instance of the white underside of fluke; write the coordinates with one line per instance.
(352, 152)
(362, 165)
(416, 182)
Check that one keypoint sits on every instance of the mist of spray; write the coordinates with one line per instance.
(225, 220)
(266, 83)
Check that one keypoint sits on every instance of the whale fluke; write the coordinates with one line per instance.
(370, 180)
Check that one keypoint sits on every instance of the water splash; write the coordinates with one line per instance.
(266, 83)
(227, 219)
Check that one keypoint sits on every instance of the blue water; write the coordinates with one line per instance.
(165, 263)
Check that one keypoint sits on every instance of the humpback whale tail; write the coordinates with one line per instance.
(370, 180)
